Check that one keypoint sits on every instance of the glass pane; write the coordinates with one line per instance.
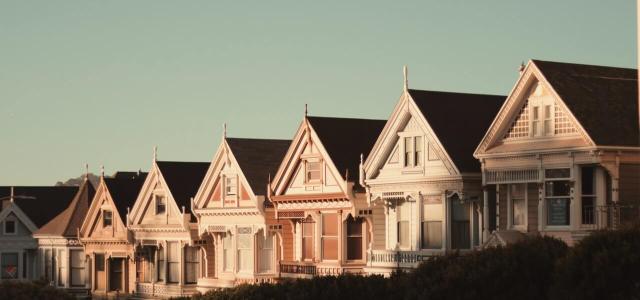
(558, 211)
(174, 272)
(244, 241)
(588, 210)
(403, 234)
(329, 224)
(547, 111)
(354, 227)
(77, 277)
(245, 260)
(519, 211)
(307, 229)
(557, 188)
(10, 226)
(557, 173)
(307, 248)
(587, 180)
(535, 113)
(77, 258)
(547, 127)
(354, 247)
(329, 248)
(9, 265)
(432, 235)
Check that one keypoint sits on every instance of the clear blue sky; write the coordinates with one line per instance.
(102, 82)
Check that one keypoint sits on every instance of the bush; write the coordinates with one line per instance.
(604, 265)
(27, 290)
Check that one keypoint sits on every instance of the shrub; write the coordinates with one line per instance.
(27, 290)
(604, 265)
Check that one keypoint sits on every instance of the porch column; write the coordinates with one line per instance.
(181, 246)
(485, 215)
(93, 273)
(446, 229)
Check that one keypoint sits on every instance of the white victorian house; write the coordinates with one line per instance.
(422, 172)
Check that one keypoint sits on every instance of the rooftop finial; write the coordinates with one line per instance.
(12, 194)
(361, 157)
(224, 130)
(406, 78)
(155, 153)
(86, 171)
(306, 110)
(102, 171)
(521, 68)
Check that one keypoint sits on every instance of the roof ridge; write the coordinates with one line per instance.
(457, 93)
(582, 64)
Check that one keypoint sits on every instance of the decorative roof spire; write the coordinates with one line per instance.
(155, 153)
(406, 77)
(521, 67)
(12, 195)
(306, 110)
(86, 171)
(102, 171)
(224, 130)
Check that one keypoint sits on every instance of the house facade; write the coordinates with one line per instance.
(108, 244)
(316, 191)
(59, 247)
(165, 232)
(562, 156)
(235, 218)
(423, 180)
(25, 209)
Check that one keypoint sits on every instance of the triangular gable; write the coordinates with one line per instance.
(513, 121)
(14, 209)
(307, 147)
(212, 194)
(92, 226)
(386, 153)
(143, 211)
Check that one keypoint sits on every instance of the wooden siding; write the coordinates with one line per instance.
(532, 207)
(379, 231)
(629, 184)
(502, 207)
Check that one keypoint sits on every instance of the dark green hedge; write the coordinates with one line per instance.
(24, 290)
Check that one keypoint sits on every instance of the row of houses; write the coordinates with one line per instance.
(558, 156)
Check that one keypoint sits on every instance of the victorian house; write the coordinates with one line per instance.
(59, 246)
(243, 241)
(108, 245)
(167, 251)
(562, 156)
(316, 191)
(25, 209)
(423, 183)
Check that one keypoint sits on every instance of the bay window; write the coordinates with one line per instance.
(354, 238)
(77, 267)
(330, 236)
(160, 268)
(431, 227)
(403, 217)
(191, 264)
(245, 255)
(226, 252)
(307, 239)
(173, 262)
(265, 244)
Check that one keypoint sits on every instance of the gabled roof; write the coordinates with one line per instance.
(603, 99)
(124, 188)
(459, 121)
(49, 200)
(183, 179)
(258, 158)
(345, 139)
(69, 220)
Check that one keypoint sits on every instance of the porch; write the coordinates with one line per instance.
(295, 269)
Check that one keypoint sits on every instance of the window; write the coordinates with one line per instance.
(408, 152)
(313, 171)
(557, 193)
(413, 151)
(518, 204)
(173, 262)
(307, 239)
(417, 154)
(228, 255)
(543, 114)
(143, 264)
(77, 267)
(9, 227)
(548, 128)
(588, 195)
(48, 264)
(191, 264)
(245, 255)
(160, 268)
(535, 120)
(403, 214)
(61, 267)
(330, 236)
(431, 229)
(265, 244)
(161, 205)
(107, 218)
(231, 186)
(354, 238)
(9, 265)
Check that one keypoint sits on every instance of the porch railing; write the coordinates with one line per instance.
(302, 268)
(397, 259)
(610, 216)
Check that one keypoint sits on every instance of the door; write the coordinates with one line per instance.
(460, 225)
(116, 272)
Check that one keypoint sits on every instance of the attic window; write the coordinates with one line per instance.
(413, 151)
(10, 227)
(230, 186)
(107, 218)
(161, 205)
(313, 171)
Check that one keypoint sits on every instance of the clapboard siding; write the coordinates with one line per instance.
(502, 207)
(379, 231)
(532, 207)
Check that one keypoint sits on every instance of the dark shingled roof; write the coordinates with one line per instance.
(49, 200)
(603, 99)
(183, 179)
(70, 220)
(345, 139)
(258, 158)
(124, 188)
(459, 121)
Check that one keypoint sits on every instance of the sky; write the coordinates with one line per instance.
(103, 82)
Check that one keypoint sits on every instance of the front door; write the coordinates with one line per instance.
(116, 272)
(460, 225)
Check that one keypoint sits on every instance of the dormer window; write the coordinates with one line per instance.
(231, 186)
(413, 151)
(107, 218)
(313, 171)
(161, 205)
(9, 227)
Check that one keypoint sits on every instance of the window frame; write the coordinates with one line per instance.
(512, 206)
(244, 233)
(567, 179)
(73, 267)
(227, 252)
(351, 221)
(173, 248)
(15, 226)
(400, 219)
(413, 156)
(593, 195)
(106, 212)
(17, 265)
(160, 201)
(427, 218)
(307, 171)
(325, 236)
(230, 180)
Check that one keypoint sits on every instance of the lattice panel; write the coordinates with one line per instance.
(562, 123)
(520, 126)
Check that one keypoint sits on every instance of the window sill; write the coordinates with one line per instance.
(557, 228)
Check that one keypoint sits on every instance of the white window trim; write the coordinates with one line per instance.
(545, 219)
(402, 150)
(510, 206)
(103, 218)
(15, 226)
(314, 159)
(540, 102)
(155, 203)
(226, 196)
